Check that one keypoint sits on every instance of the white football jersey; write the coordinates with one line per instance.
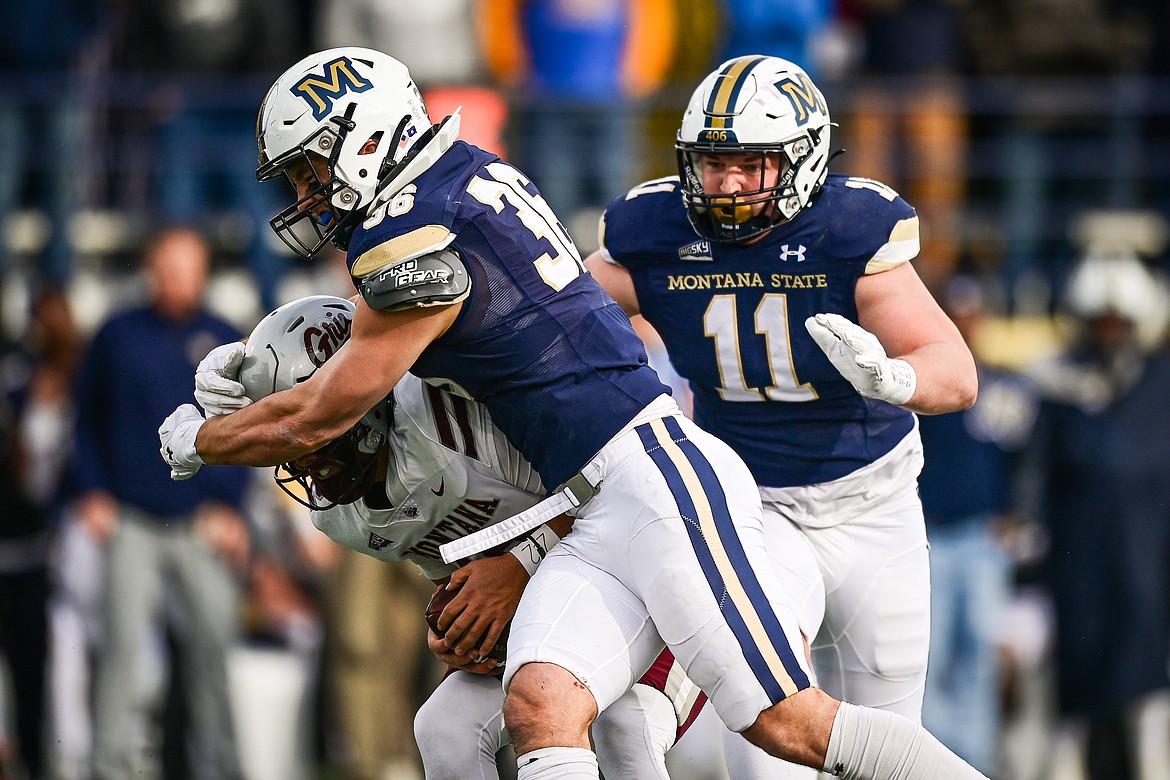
(451, 472)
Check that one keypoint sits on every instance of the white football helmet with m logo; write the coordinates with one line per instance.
(327, 109)
(754, 105)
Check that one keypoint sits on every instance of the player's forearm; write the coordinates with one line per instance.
(561, 525)
(265, 433)
(947, 379)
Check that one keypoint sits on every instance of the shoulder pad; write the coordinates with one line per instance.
(901, 247)
(434, 279)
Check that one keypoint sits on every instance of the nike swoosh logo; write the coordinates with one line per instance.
(442, 487)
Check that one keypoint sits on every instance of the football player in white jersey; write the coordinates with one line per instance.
(465, 276)
(785, 296)
(426, 466)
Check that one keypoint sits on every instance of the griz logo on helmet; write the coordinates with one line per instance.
(286, 348)
(324, 339)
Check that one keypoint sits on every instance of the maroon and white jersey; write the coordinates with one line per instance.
(451, 473)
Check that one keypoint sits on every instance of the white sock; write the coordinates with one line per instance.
(869, 744)
(561, 763)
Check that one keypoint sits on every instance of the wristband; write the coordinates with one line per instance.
(903, 381)
(533, 548)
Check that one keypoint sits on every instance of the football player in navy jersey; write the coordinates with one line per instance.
(785, 295)
(465, 277)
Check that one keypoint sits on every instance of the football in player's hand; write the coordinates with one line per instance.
(439, 601)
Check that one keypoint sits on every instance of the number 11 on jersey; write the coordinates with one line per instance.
(720, 322)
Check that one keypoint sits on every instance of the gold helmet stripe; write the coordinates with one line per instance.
(726, 91)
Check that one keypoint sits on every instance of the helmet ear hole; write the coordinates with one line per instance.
(372, 143)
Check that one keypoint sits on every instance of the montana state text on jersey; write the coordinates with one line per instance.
(737, 312)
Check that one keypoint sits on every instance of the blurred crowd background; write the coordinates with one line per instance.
(1032, 136)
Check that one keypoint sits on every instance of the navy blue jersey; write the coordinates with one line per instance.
(732, 318)
(538, 341)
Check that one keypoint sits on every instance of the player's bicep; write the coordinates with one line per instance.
(897, 307)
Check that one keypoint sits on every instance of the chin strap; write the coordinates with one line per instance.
(425, 152)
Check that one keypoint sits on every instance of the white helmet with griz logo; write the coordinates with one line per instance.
(286, 348)
(751, 105)
(327, 109)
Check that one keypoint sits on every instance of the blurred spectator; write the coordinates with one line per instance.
(378, 670)
(910, 126)
(41, 118)
(1102, 460)
(777, 28)
(35, 443)
(286, 575)
(204, 153)
(439, 43)
(698, 36)
(75, 622)
(1038, 55)
(276, 676)
(966, 489)
(578, 71)
(161, 538)
(435, 40)
(1156, 20)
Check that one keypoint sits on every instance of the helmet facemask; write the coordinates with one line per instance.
(340, 472)
(733, 218)
(327, 212)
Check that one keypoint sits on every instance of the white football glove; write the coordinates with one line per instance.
(216, 387)
(861, 359)
(177, 436)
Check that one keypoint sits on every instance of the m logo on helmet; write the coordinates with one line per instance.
(320, 92)
(805, 97)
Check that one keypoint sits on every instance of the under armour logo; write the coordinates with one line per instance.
(798, 253)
